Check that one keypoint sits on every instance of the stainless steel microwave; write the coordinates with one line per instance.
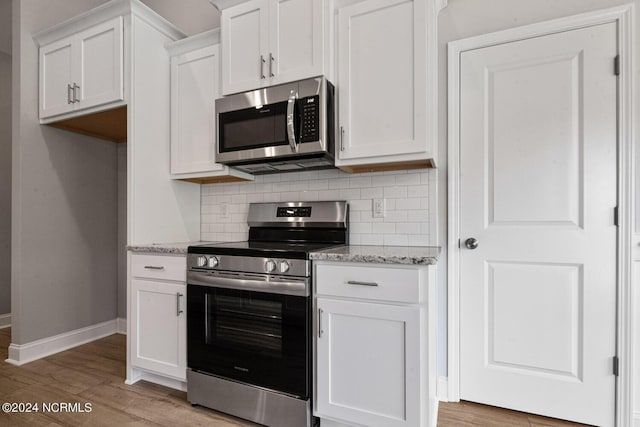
(279, 128)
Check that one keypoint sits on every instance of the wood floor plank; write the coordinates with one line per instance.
(94, 373)
(469, 414)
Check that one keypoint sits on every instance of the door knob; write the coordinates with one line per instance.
(471, 243)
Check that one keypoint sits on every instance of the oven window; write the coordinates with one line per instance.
(254, 324)
(253, 128)
(256, 338)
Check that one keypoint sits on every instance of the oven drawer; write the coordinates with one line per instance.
(163, 267)
(370, 281)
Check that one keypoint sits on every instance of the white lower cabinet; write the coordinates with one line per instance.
(158, 316)
(375, 359)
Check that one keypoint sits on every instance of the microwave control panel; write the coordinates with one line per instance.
(310, 118)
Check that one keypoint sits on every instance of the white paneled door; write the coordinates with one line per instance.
(537, 193)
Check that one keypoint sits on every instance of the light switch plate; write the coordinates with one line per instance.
(378, 208)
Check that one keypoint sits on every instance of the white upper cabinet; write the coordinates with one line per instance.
(195, 85)
(82, 71)
(295, 39)
(386, 68)
(269, 42)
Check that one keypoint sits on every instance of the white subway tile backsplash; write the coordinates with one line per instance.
(371, 193)
(408, 179)
(239, 198)
(319, 184)
(371, 239)
(383, 180)
(396, 192)
(339, 183)
(395, 239)
(406, 193)
(383, 228)
(408, 204)
(360, 182)
(350, 194)
(418, 191)
(360, 228)
(395, 216)
(360, 205)
(408, 228)
(418, 216)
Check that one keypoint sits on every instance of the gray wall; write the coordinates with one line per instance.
(5, 26)
(122, 230)
(5, 180)
(64, 214)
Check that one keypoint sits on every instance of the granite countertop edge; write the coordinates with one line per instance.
(410, 255)
(164, 248)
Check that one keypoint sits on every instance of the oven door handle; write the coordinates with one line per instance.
(296, 287)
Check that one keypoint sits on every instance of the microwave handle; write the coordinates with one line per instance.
(291, 129)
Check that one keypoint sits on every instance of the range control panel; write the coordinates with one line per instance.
(294, 212)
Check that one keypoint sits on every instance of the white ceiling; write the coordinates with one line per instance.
(190, 16)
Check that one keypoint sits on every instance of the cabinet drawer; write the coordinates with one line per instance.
(375, 282)
(159, 267)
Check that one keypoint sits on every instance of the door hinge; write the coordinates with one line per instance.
(616, 65)
(459, 244)
(616, 366)
(616, 220)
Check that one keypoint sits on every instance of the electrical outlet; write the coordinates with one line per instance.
(224, 211)
(378, 208)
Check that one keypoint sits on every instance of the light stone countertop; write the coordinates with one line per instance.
(165, 248)
(416, 255)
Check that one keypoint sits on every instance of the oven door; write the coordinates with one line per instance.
(253, 337)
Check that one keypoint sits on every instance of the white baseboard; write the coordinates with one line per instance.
(122, 326)
(5, 320)
(19, 354)
(157, 379)
(442, 389)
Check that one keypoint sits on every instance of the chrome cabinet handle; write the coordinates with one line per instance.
(271, 59)
(262, 61)
(471, 243)
(69, 89)
(154, 267)
(341, 138)
(75, 95)
(178, 311)
(355, 282)
(319, 323)
(291, 130)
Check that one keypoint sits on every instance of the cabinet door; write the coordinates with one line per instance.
(245, 46)
(368, 368)
(56, 65)
(100, 65)
(296, 40)
(194, 88)
(382, 78)
(158, 327)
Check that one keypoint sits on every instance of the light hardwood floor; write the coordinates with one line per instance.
(94, 373)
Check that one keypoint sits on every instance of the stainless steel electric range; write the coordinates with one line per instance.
(249, 313)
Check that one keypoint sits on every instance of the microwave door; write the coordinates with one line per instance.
(253, 128)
